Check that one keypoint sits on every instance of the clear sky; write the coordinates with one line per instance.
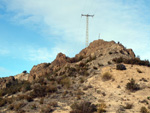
(34, 31)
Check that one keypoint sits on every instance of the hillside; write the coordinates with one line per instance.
(104, 77)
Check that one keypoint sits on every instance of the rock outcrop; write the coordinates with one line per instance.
(22, 76)
(101, 51)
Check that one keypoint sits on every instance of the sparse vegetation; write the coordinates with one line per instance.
(106, 76)
(18, 106)
(14, 87)
(2, 102)
(101, 108)
(66, 82)
(47, 109)
(136, 61)
(144, 110)
(132, 86)
(37, 89)
(41, 101)
(83, 107)
(128, 106)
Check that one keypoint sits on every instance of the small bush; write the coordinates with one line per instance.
(14, 87)
(101, 108)
(53, 104)
(118, 60)
(128, 106)
(11, 107)
(109, 62)
(18, 106)
(120, 67)
(132, 86)
(47, 109)
(28, 98)
(38, 91)
(83, 107)
(144, 110)
(106, 76)
(2, 102)
(66, 82)
(24, 71)
(42, 90)
(138, 70)
(33, 106)
(136, 61)
(41, 101)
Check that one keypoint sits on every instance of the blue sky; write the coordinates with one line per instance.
(34, 31)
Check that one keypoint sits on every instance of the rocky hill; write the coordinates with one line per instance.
(104, 77)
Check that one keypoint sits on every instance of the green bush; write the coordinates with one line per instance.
(132, 86)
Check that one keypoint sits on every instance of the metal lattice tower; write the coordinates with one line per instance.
(87, 27)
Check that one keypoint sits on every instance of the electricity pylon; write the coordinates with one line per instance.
(87, 27)
(99, 36)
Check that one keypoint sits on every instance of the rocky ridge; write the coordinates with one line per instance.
(92, 79)
(102, 51)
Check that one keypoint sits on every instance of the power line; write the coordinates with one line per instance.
(87, 27)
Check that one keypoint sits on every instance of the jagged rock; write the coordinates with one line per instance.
(22, 76)
(131, 53)
(99, 52)
(60, 60)
(39, 70)
(47, 68)
(6, 80)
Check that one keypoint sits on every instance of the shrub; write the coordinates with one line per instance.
(144, 110)
(28, 98)
(14, 87)
(24, 71)
(118, 60)
(19, 105)
(38, 91)
(128, 106)
(47, 109)
(132, 86)
(138, 70)
(83, 107)
(120, 67)
(2, 102)
(41, 101)
(42, 90)
(109, 62)
(66, 82)
(101, 108)
(106, 76)
(136, 61)
(53, 104)
(33, 106)
(11, 107)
